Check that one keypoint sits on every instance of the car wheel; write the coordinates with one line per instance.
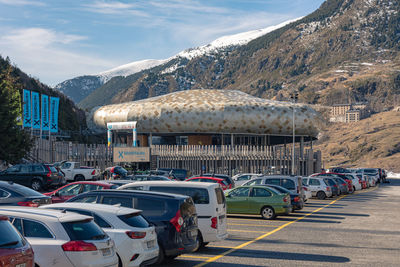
(161, 256)
(36, 184)
(199, 241)
(79, 178)
(321, 195)
(119, 261)
(268, 213)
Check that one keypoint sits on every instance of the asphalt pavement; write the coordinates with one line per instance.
(360, 229)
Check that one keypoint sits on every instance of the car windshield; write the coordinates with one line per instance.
(84, 230)
(330, 182)
(279, 189)
(25, 191)
(199, 195)
(9, 237)
(134, 220)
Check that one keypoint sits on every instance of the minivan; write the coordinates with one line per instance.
(174, 216)
(208, 198)
(292, 183)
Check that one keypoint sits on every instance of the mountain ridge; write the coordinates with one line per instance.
(320, 55)
(79, 87)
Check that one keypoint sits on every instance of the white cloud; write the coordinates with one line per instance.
(22, 3)
(114, 8)
(48, 54)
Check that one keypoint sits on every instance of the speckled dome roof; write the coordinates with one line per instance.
(210, 111)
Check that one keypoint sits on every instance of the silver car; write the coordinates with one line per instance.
(318, 187)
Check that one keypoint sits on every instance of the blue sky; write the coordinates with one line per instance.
(55, 40)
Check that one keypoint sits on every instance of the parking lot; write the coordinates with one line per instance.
(358, 229)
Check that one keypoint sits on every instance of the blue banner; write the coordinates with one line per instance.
(35, 110)
(45, 112)
(27, 109)
(54, 104)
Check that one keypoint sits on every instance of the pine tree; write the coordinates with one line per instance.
(15, 143)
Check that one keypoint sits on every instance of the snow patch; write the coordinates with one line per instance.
(393, 175)
(130, 68)
(222, 42)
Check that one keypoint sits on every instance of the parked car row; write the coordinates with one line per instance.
(144, 221)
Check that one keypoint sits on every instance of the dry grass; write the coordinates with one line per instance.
(372, 142)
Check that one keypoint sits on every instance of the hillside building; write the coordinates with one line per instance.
(348, 113)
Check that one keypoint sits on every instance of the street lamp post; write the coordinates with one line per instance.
(294, 96)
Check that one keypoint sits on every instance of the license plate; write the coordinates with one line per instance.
(21, 265)
(151, 244)
(106, 252)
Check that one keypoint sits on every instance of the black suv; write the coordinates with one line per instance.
(174, 216)
(36, 176)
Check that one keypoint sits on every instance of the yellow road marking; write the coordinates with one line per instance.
(213, 246)
(215, 258)
(245, 231)
(193, 256)
(255, 225)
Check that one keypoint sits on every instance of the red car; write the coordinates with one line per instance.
(14, 249)
(331, 174)
(222, 182)
(68, 191)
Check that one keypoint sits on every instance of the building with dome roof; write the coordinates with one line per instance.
(218, 119)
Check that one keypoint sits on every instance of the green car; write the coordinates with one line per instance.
(262, 200)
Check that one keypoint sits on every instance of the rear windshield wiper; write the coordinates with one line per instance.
(9, 244)
(97, 237)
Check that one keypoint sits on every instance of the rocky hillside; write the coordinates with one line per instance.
(372, 142)
(347, 50)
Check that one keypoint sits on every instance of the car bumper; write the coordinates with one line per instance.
(283, 210)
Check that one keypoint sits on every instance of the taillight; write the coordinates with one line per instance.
(78, 245)
(49, 173)
(177, 221)
(285, 199)
(214, 222)
(93, 172)
(28, 204)
(296, 199)
(328, 188)
(136, 235)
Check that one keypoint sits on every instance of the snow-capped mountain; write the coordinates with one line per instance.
(80, 87)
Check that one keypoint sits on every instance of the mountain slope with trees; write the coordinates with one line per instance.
(71, 118)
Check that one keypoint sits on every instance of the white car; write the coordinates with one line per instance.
(355, 180)
(135, 240)
(318, 187)
(63, 239)
(208, 198)
(307, 192)
(241, 178)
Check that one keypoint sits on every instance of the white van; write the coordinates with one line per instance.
(208, 198)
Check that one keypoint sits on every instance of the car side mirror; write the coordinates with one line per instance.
(228, 195)
(56, 194)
